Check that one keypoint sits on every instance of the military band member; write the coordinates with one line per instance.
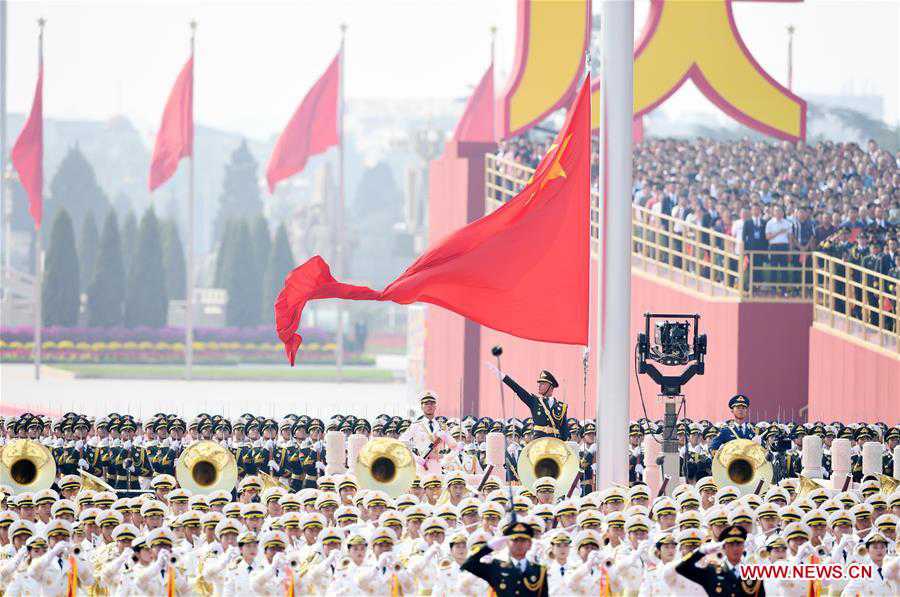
(548, 415)
(722, 577)
(515, 576)
(587, 457)
(739, 427)
(427, 437)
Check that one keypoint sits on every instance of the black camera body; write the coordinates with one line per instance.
(672, 345)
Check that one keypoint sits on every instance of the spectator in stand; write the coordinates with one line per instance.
(778, 234)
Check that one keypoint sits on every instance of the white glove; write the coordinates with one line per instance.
(320, 466)
(163, 556)
(58, 549)
(83, 464)
(805, 550)
(176, 443)
(269, 445)
(384, 560)
(273, 466)
(278, 560)
(79, 445)
(493, 369)
(711, 547)
(232, 552)
(847, 540)
(498, 542)
(117, 443)
(127, 444)
(127, 552)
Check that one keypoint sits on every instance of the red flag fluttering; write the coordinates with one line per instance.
(28, 153)
(477, 122)
(523, 269)
(312, 129)
(175, 138)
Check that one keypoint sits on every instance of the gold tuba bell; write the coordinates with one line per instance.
(385, 464)
(205, 467)
(888, 484)
(741, 463)
(548, 457)
(26, 465)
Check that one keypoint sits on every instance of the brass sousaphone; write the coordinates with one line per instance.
(26, 465)
(743, 464)
(205, 467)
(548, 457)
(385, 464)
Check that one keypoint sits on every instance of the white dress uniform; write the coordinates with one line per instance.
(268, 580)
(115, 571)
(151, 580)
(237, 577)
(379, 580)
(52, 573)
(884, 580)
(419, 437)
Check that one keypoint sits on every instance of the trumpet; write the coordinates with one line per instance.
(76, 551)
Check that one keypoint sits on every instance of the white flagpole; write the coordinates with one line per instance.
(5, 201)
(339, 216)
(189, 282)
(617, 80)
(38, 245)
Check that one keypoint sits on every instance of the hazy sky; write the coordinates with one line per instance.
(255, 60)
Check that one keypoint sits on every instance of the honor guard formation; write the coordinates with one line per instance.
(253, 506)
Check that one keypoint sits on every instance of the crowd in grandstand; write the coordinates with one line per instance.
(780, 196)
(771, 196)
(289, 522)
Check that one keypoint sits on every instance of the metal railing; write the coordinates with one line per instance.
(846, 297)
(682, 252)
(857, 301)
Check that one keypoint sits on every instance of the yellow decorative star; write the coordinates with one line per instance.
(555, 169)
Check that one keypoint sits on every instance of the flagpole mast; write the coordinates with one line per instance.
(38, 250)
(5, 195)
(339, 216)
(189, 283)
(617, 88)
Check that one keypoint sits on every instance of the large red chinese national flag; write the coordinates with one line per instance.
(523, 269)
(477, 122)
(312, 129)
(28, 153)
(175, 138)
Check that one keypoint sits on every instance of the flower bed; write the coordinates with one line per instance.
(164, 346)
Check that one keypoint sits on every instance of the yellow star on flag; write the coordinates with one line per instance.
(555, 169)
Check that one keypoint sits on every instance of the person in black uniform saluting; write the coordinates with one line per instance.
(547, 413)
(518, 575)
(724, 576)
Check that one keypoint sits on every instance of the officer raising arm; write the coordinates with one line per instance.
(548, 413)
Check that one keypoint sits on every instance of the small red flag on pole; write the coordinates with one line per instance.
(476, 125)
(312, 129)
(175, 138)
(28, 152)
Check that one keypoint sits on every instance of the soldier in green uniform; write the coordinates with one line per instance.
(722, 577)
(314, 462)
(547, 413)
(587, 456)
(516, 576)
